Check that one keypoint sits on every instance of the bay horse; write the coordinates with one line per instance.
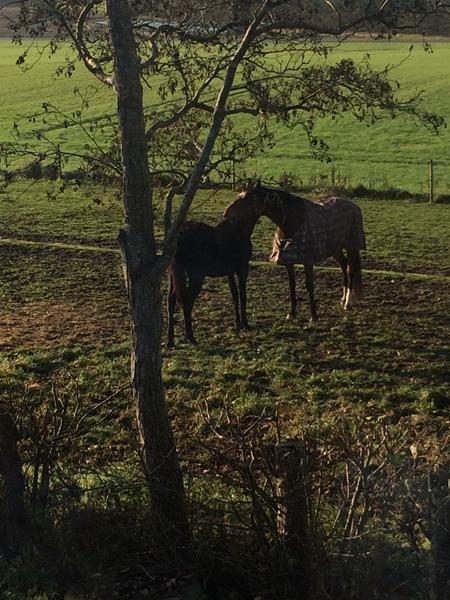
(308, 232)
(203, 251)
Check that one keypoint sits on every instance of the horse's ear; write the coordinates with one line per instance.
(249, 185)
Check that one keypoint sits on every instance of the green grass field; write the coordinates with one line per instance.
(380, 370)
(60, 267)
(376, 377)
(391, 154)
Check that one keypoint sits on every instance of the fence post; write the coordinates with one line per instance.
(58, 161)
(431, 180)
(292, 521)
(233, 173)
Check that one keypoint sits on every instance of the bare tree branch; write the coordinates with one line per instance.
(92, 64)
(216, 121)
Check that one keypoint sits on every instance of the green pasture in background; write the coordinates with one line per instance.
(390, 154)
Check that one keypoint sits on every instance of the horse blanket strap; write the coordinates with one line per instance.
(329, 226)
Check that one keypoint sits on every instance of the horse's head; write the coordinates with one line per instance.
(246, 206)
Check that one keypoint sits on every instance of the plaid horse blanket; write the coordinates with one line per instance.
(329, 226)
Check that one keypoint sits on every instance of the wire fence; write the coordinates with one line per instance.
(427, 180)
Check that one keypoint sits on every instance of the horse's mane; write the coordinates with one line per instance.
(287, 198)
(195, 226)
(199, 233)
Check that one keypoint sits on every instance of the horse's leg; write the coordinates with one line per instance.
(235, 296)
(242, 282)
(355, 289)
(309, 279)
(192, 291)
(291, 278)
(340, 258)
(171, 303)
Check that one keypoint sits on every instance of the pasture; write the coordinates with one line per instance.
(64, 342)
(391, 154)
(375, 377)
(62, 296)
(63, 313)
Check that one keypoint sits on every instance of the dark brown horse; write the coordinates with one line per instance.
(206, 251)
(308, 232)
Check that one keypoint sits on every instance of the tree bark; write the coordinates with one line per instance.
(13, 524)
(143, 282)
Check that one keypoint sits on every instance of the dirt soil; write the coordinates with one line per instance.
(43, 324)
(60, 297)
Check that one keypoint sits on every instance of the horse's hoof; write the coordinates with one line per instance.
(291, 317)
(170, 345)
(239, 328)
(193, 341)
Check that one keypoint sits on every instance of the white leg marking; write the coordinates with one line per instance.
(349, 300)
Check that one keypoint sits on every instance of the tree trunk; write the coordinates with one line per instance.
(13, 525)
(143, 283)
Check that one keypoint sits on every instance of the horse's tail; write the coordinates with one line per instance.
(177, 278)
(356, 275)
(354, 258)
